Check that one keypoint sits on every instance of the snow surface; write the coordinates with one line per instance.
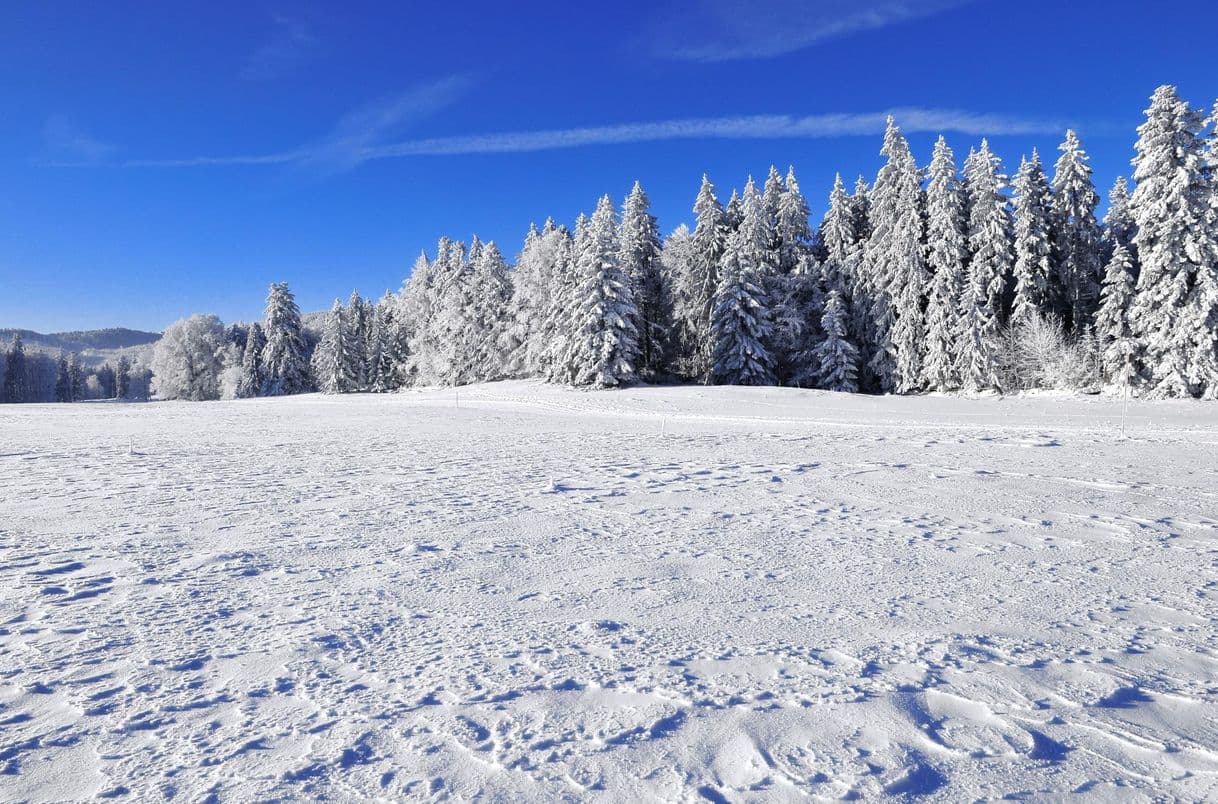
(526, 592)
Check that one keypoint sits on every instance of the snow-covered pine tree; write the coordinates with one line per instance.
(759, 255)
(488, 314)
(122, 377)
(990, 263)
(561, 318)
(604, 348)
(283, 360)
(946, 258)
(679, 261)
(16, 375)
(76, 377)
(253, 379)
(696, 289)
(1119, 226)
(896, 268)
(836, 357)
(640, 260)
(526, 308)
(1202, 311)
(734, 211)
(1116, 340)
(1034, 266)
(358, 324)
(63, 382)
(740, 318)
(333, 367)
(1172, 208)
(390, 356)
(1076, 235)
(792, 225)
(798, 317)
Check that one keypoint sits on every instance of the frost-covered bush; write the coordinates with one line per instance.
(1035, 354)
(188, 359)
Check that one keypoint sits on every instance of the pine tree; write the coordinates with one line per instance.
(836, 357)
(758, 255)
(697, 290)
(63, 380)
(332, 360)
(1119, 225)
(1076, 235)
(390, 343)
(358, 325)
(76, 378)
(946, 257)
(1112, 322)
(487, 315)
(604, 348)
(640, 260)
(16, 383)
(1172, 210)
(739, 321)
(896, 268)
(990, 261)
(122, 377)
(253, 379)
(283, 359)
(1034, 267)
(798, 317)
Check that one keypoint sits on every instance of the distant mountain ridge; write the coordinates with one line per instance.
(82, 340)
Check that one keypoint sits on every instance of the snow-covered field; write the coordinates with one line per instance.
(527, 592)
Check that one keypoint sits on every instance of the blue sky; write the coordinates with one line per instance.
(160, 159)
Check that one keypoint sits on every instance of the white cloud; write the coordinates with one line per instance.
(359, 138)
(724, 30)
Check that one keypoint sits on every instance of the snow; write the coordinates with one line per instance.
(529, 592)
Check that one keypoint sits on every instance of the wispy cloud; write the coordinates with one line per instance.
(359, 138)
(355, 139)
(63, 140)
(723, 30)
(290, 43)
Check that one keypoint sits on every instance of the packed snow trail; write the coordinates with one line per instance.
(526, 592)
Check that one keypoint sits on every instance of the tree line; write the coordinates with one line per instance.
(36, 376)
(930, 278)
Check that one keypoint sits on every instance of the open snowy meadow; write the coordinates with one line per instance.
(526, 592)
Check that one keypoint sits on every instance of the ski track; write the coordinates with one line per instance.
(522, 592)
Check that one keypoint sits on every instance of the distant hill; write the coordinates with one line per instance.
(82, 340)
(95, 346)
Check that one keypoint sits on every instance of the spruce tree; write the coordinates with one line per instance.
(1076, 235)
(836, 356)
(1034, 267)
(76, 378)
(253, 379)
(740, 321)
(946, 257)
(122, 377)
(640, 259)
(604, 348)
(332, 363)
(488, 313)
(63, 380)
(759, 256)
(357, 324)
(283, 359)
(1112, 319)
(990, 262)
(896, 268)
(1172, 209)
(1119, 225)
(709, 240)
